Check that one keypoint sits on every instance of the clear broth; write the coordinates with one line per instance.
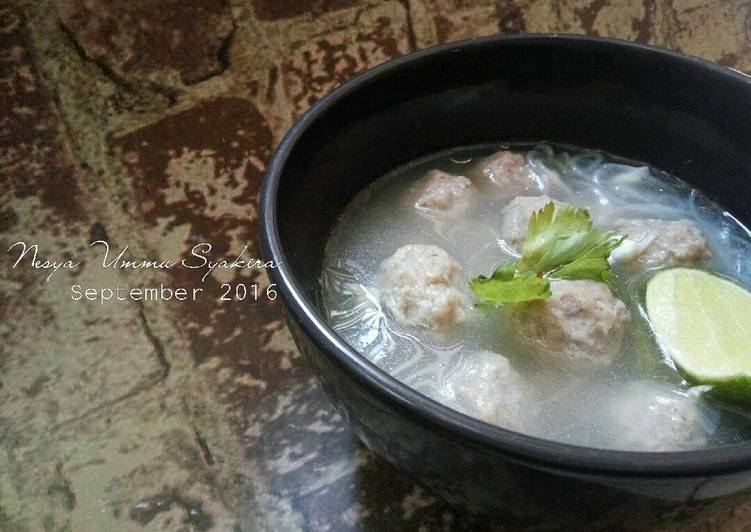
(380, 220)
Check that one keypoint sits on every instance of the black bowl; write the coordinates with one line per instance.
(677, 113)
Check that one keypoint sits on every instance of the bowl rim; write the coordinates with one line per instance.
(518, 446)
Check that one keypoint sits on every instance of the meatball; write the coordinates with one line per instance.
(516, 217)
(656, 243)
(646, 416)
(444, 195)
(491, 390)
(581, 320)
(421, 285)
(512, 175)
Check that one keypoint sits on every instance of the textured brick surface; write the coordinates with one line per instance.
(150, 124)
(280, 9)
(195, 177)
(362, 38)
(136, 40)
(33, 160)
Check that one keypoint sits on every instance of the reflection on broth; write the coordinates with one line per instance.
(581, 366)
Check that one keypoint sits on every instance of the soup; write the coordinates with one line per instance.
(577, 363)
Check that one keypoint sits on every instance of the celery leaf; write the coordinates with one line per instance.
(561, 243)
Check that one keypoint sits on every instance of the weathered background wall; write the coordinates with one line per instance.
(149, 123)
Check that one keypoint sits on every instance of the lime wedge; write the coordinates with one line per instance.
(703, 322)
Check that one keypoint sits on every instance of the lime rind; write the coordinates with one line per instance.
(703, 323)
(736, 389)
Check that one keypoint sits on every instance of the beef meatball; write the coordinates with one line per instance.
(512, 176)
(444, 195)
(516, 217)
(491, 390)
(581, 320)
(421, 285)
(647, 416)
(657, 243)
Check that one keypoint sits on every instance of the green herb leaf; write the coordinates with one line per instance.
(506, 286)
(557, 237)
(593, 268)
(560, 244)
